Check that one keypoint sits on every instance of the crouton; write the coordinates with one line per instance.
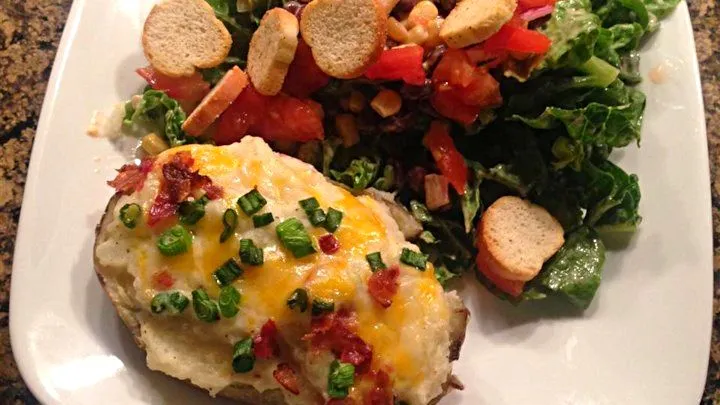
(181, 35)
(473, 21)
(517, 237)
(272, 49)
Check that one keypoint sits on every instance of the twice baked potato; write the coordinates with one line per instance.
(246, 273)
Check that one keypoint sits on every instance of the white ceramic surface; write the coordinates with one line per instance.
(644, 340)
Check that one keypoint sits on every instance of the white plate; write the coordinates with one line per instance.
(644, 340)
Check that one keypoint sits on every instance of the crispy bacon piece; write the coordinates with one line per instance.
(286, 377)
(131, 177)
(329, 244)
(265, 343)
(162, 280)
(383, 285)
(381, 392)
(334, 332)
(179, 181)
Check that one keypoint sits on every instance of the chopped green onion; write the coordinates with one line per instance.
(227, 273)
(228, 301)
(261, 220)
(230, 220)
(205, 308)
(243, 356)
(413, 258)
(320, 306)
(298, 299)
(428, 237)
(252, 202)
(375, 261)
(129, 215)
(174, 241)
(309, 205)
(340, 378)
(250, 254)
(174, 302)
(333, 219)
(294, 237)
(192, 211)
(316, 217)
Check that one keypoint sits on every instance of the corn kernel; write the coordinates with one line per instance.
(357, 101)
(423, 13)
(418, 35)
(153, 144)
(347, 129)
(386, 103)
(433, 29)
(396, 31)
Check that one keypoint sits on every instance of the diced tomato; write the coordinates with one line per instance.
(528, 4)
(483, 90)
(381, 393)
(517, 39)
(403, 63)
(329, 244)
(131, 177)
(304, 77)
(383, 285)
(448, 159)
(274, 118)
(449, 104)
(162, 280)
(511, 287)
(265, 343)
(334, 332)
(191, 88)
(286, 377)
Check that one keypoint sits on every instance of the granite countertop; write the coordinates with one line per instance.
(29, 34)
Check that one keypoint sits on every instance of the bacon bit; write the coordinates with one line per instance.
(383, 285)
(381, 393)
(265, 343)
(286, 377)
(162, 280)
(131, 177)
(178, 184)
(329, 244)
(334, 332)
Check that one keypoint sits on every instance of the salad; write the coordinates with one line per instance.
(447, 128)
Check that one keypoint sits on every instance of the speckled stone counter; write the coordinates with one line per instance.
(29, 34)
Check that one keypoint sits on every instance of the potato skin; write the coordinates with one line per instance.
(243, 393)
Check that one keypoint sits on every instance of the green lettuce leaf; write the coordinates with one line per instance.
(161, 113)
(611, 196)
(359, 175)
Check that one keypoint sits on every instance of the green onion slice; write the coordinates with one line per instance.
(230, 220)
(333, 219)
(174, 241)
(250, 254)
(129, 215)
(310, 204)
(227, 273)
(375, 261)
(298, 299)
(174, 302)
(243, 356)
(340, 378)
(317, 217)
(192, 211)
(229, 301)
(252, 202)
(295, 238)
(260, 220)
(205, 308)
(413, 258)
(320, 306)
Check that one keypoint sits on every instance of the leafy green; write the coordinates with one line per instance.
(575, 271)
(387, 181)
(162, 113)
(470, 202)
(573, 30)
(661, 8)
(359, 175)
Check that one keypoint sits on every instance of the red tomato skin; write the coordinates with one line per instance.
(236, 121)
(448, 159)
(518, 39)
(189, 89)
(483, 91)
(449, 105)
(528, 4)
(454, 68)
(304, 77)
(329, 244)
(405, 63)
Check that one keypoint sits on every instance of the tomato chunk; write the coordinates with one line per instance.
(304, 77)
(162, 280)
(329, 244)
(191, 88)
(517, 39)
(448, 159)
(528, 4)
(405, 63)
